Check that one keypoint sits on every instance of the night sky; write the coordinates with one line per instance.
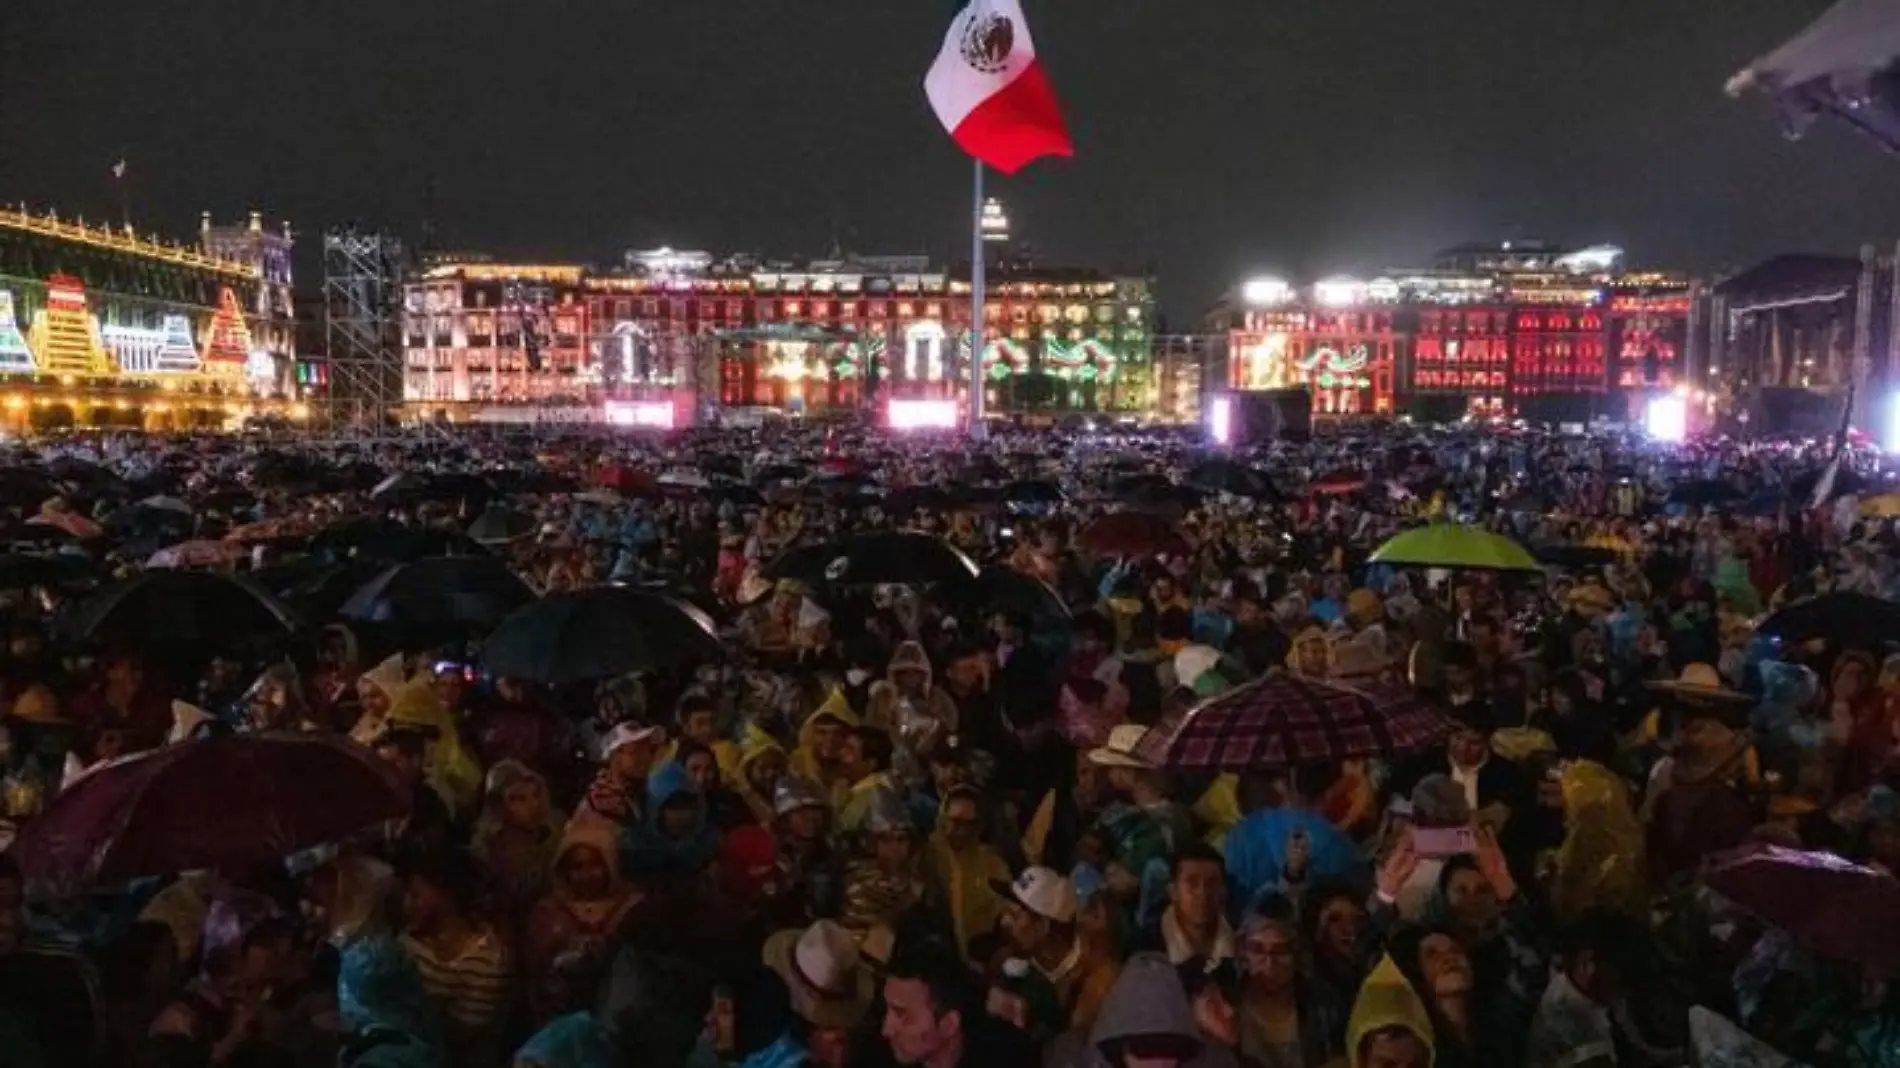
(1214, 137)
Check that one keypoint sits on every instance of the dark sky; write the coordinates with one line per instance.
(1214, 137)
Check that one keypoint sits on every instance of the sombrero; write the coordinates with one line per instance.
(830, 986)
(1700, 682)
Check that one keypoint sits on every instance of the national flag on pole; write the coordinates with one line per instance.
(118, 169)
(990, 91)
(1824, 486)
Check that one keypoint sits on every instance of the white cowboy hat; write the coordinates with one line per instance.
(830, 986)
(1120, 750)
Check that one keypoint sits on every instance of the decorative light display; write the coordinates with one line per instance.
(14, 354)
(65, 335)
(166, 350)
(228, 341)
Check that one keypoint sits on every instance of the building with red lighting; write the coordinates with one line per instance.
(1520, 329)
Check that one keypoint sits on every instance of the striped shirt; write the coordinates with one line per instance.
(474, 986)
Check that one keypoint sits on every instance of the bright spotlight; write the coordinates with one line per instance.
(1265, 291)
(1667, 418)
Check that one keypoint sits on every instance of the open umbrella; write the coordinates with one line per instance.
(1843, 616)
(1134, 534)
(18, 571)
(176, 608)
(597, 634)
(1455, 547)
(1281, 719)
(1231, 477)
(198, 553)
(1833, 906)
(440, 591)
(374, 539)
(1705, 491)
(1033, 491)
(498, 525)
(219, 802)
(867, 559)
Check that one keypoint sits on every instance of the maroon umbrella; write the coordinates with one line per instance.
(1833, 906)
(1281, 719)
(216, 802)
(1133, 534)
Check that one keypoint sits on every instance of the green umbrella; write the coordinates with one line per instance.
(1451, 546)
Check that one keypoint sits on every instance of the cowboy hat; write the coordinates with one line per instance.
(1700, 682)
(830, 986)
(1120, 750)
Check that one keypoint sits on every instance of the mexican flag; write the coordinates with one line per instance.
(992, 94)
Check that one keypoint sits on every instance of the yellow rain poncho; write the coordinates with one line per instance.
(804, 762)
(1386, 1000)
(755, 746)
(451, 769)
(1600, 862)
(964, 878)
(385, 680)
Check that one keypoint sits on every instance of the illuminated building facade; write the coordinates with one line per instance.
(808, 337)
(271, 314)
(101, 327)
(1516, 329)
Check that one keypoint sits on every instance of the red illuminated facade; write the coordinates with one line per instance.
(1537, 333)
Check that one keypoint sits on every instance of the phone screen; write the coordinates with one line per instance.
(1444, 841)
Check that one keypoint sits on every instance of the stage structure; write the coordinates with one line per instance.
(362, 292)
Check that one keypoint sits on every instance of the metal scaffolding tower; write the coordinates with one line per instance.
(362, 325)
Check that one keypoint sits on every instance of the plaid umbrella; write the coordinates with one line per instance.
(1281, 719)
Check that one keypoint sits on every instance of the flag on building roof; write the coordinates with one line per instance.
(991, 92)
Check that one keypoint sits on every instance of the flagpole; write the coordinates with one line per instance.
(979, 430)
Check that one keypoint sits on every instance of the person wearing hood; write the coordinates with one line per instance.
(1389, 1026)
(380, 999)
(678, 837)
(725, 807)
(960, 868)
(761, 764)
(866, 760)
(820, 756)
(391, 700)
(583, 908)
(908, 703)
(1146, 1022)
(801, 824)
(517, 834)
(882, 884)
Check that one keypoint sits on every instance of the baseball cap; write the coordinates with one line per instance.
(1041, 891)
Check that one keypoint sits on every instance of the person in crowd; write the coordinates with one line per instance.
(469, 972)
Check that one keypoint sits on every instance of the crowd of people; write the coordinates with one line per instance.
(889, 814)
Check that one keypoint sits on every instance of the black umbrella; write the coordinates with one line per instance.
(173, 608)
(1226, 476)
(391, 543)
(902, 502)
(1033, 491)
(1844, 618)
(316, 590)
(1845, 482)
(864, 559)
(441, 591)
(998, 588)
(25, 487)
(56, 569)
(598, 634)
(1143, 485)
(497, 525)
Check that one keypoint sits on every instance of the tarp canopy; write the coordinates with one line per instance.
(1845, 64)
